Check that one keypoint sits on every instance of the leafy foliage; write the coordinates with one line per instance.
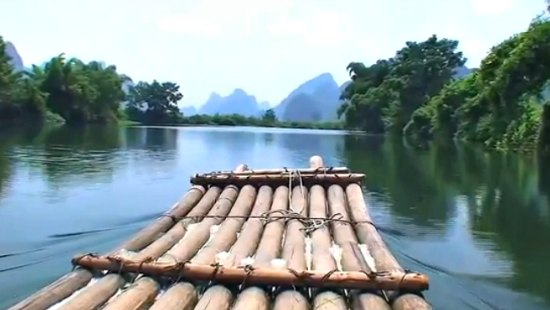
(19, 96)
(154, 103)
(385, 95)
(269, 116)
(500, 104)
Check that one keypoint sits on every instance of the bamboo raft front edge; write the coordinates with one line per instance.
(248, 239)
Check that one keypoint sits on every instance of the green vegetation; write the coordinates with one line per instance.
(268, 119)
(415, 93)
(73, 92)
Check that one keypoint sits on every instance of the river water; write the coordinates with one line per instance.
(477, 223)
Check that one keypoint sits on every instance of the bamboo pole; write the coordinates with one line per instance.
(140, 295)
(268, 249)
(283, 171)
(78, 279)
(147, 235)
(188, 246)
(344, 236)
(291, 300)
(252, 298)
(98, 291)
(165, 242)
(275, 180)
(322, 258)
(244, 246)
(56, 291)
(252, 229)
(191, 241)
(96, 295)
(329, 300)
(227, 233)
(181, 296)
(222, 241)
(294, 250)
(216, 297)
(272, 237)
(390, 280)
(384, 260)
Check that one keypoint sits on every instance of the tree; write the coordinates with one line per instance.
(154, 103)
(385, 95)
(269, 116)
(20, 97)
(500, 104)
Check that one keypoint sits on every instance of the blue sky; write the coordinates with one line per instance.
(266, 47)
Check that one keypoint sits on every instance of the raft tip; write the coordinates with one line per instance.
(316, 161)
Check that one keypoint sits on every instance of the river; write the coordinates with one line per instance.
(476, 223)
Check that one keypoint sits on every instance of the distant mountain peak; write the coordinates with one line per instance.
(16, 60)
(239, 91)
(214, 95)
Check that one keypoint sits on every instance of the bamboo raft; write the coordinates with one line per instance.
(248, 239)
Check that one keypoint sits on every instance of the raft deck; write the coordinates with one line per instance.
(248, 239)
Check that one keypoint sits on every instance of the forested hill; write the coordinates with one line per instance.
(314, 100)
(415, 92)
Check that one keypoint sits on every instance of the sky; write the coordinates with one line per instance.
(266, 47)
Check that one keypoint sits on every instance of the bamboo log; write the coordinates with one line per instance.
(244, 246)
(153, 250)
(224, 238)
(252, 229)
(147, 235)
(165, 242)
(344, 236)
(291, 300)
(270, 243)
(56, 291)
(188, 246)
(180, 296)
(390, 280)
(77, 279)
(227, 233)
(294, 250)
(277, 179)
(252, 298)
(322, 258)
(316, 162)
(384, 260)
(329, 300)
(283, 171)
(295, 236)
(192, 241)
(96, 295)
(139, 296)
(246, 243)
(216, 297)
(268, 249)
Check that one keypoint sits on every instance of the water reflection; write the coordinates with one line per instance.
(477, 223)
(476, 215)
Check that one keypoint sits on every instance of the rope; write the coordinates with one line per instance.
(290, 182)
(310, 223)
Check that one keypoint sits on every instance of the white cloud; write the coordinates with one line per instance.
(215, 18)
(312, 23)
(493, 7)
(317, 28)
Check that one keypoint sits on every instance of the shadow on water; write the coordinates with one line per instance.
(477, 222)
